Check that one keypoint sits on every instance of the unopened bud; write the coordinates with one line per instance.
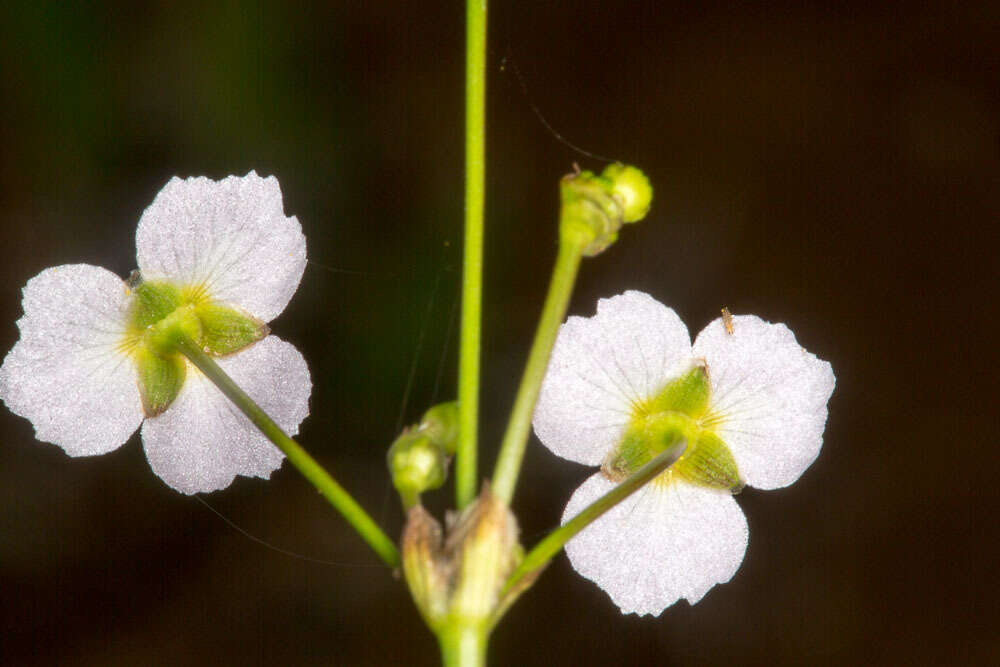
(593, 208)
(440, 424)
(416, 464)
(631, 186)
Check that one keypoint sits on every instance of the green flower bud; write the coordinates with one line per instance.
(632, 188)
(416, 464)
(595, 207)
(440, 424)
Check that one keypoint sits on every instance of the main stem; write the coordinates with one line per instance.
(463, 646)
(516, 438)
(543, 552)
(307, 465)
(472, 276)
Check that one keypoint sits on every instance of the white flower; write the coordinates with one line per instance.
(624, 384)
(226, 253)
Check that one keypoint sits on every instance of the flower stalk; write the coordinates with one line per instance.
(463, 646)
(472, 272)
(544, 551)
(556, 301)
(342, 501)
(593, 209)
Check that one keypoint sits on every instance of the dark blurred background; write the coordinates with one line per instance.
(832, 166)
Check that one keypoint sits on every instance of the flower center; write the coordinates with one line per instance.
(678, 412)
(161, 310)
(161, 314)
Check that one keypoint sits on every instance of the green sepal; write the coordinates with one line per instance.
(669, 417)
(688, 394)
(643, 440)
(709, 463)
(160, 380)
(628, 457)
(225, 330)
(589, 214)
(153, 301)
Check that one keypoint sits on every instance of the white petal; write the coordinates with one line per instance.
(203, 441)
(662, 543)
(66, 373)
(601, 367)
(231, 236)
(770, 394)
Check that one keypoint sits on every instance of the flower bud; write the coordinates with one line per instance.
(593, 208)
(416, 464)
(440, 424)
(632, 188)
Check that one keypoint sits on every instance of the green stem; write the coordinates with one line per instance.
(463, 645)
(543, 552)
(301, 459)
(408, 499)
(516, 438)
(472, 277)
